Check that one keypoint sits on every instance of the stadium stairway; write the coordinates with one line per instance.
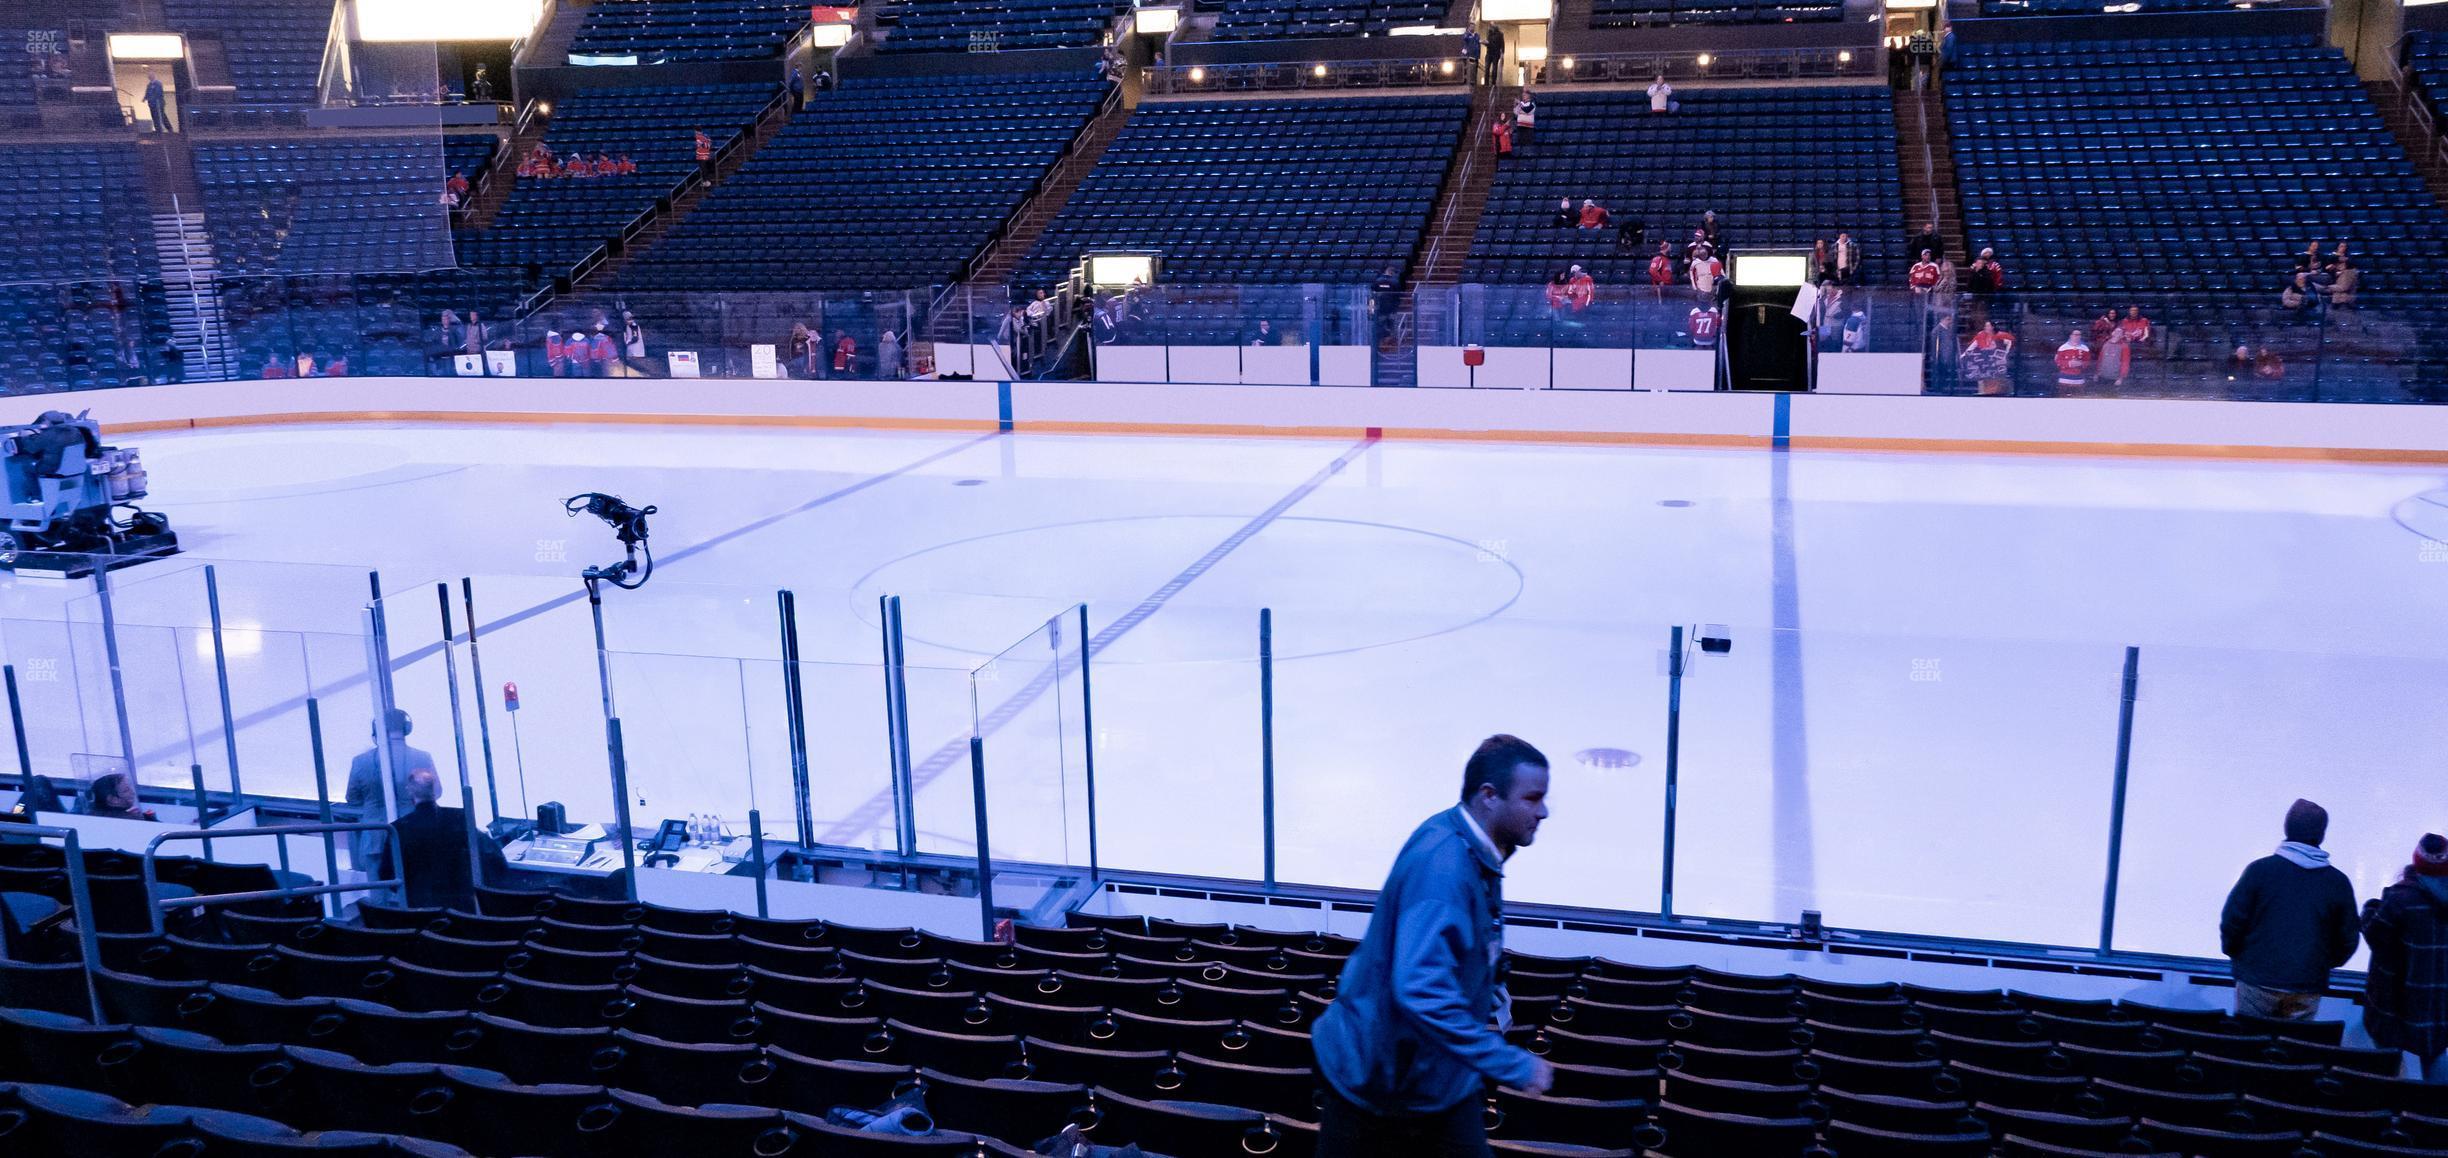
(492, 186)
(1454, 219)
(2422, 146)
(994, 267)
(551, 49)
(191, 295)
(1925, 162)
(727, 160)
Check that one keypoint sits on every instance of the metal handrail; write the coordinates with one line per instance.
(1398, 72)
(155, 905)
(1466, 166)
(80, 900)
(663, 205)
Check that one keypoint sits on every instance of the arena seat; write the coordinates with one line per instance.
(1733, 151)
(1261, 191)
(677, 31)
(2195, 163)
(1288, 19)
(997, 25)
(1638, 13)
(554, 222)
(274, 47)
(883, 183)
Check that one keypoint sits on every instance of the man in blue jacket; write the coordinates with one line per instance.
(1414, 1032)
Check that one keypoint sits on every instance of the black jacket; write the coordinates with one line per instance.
(433, 841)
(2285, 926)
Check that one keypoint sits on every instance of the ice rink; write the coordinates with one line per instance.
(1915, 730)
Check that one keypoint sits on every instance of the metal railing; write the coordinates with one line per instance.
(700, 177)
(155, 905)
(80, 897)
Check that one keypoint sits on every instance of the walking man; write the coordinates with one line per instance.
(157, 103)
(1417, 1027)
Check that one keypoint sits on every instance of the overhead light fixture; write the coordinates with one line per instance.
(1317, 70)
(147, 46)
(1197, 75)
(1568, 64)
(1705, 59)
(1445, 67)
(1845, 57)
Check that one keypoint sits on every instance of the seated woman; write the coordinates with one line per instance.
(114, 795)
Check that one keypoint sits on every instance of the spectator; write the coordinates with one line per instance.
(796, 87)
(336, 366)
(274, 366)
(1987, 359)
(1594, 215)
(1848, 260)
(633, 344)
(1661, 96)
(1988, 278)
(1929, 243)
(157, 103)
(803, 351)
(365, 782)
(705, 149)
(888, 356)
(1495, 54)
(1923, 278)
(457, 186)
(2298, 291)
(845, 353)
(113, 795)
(2136, 330)
(824, 76)
(1470, 54)
(1525, 116)
(1822, 267)
(1038, 308)
(1856, 333)
(1502, 130)
(1706, 271)
(474, 336)
(2405, 999)
(601, 354)
(433, 844)
(2074, 360)
(1580, 289)
(1565, 218)
(481, 88)
(305, 365)
(1631, 234)
(2343, 281)
(1701, 325)
(1416, 1032)
(1262, 333)
(1662, 268)
(2240, 362)
(1557, 290)
(2289, 920)
(2267, 365)
(1708, 231)
(2115, 356)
